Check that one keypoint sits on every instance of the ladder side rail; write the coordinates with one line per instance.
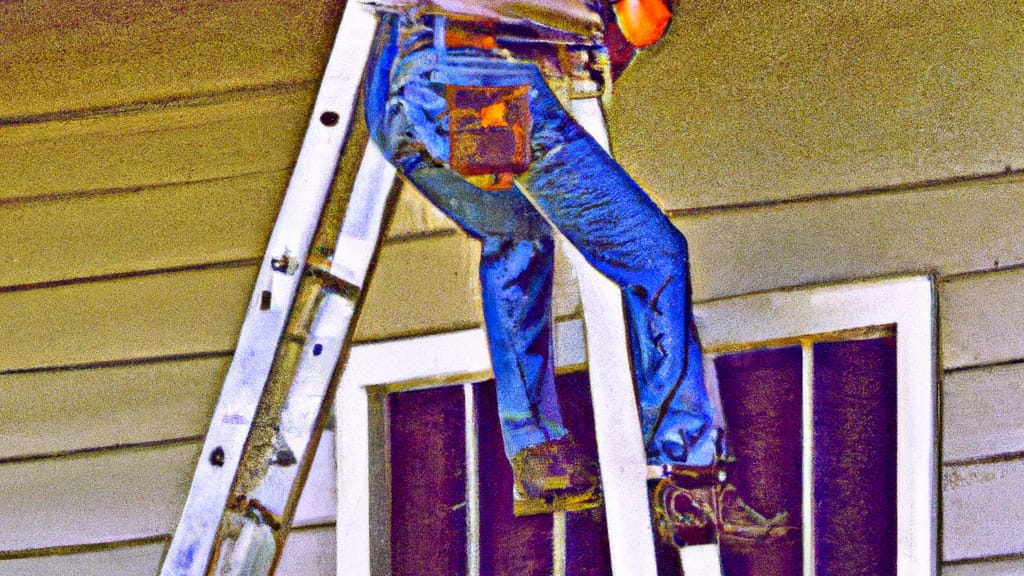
(271, 480)
(616, 416)
(274, 293)
(619, 440)
(332, 332)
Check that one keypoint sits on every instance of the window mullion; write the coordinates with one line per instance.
(807, 456)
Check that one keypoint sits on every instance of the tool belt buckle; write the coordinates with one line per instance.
(489, 133)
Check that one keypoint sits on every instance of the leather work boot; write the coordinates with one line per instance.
(695, 505)
(553, 476)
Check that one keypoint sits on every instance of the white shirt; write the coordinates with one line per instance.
(578, 18)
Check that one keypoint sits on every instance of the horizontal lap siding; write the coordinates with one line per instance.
(983, 316)
(126, 560)
(61, 57)
(157, 228)
(198, 312)
(994, 567)
(732, 252)
(115, 195)
(151, 138)
(123, 494)
(94, 498)
(138, 317)
(54, 411)
(307, 551)
(224, 211)
(756, 100)
(77, 409)
(946, 229)
(131, 112)
(186, 143)
(767, 101)
(201, 311)
(981, 513)
(980, 322)
(983, 412)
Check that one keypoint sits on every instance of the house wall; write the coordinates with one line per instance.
(146, 146)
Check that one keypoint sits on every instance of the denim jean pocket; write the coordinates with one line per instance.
(489, 129)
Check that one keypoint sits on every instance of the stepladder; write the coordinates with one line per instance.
(294, 346)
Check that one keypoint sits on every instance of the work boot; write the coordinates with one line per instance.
(740, 525)
(552, 476)
(695, 505)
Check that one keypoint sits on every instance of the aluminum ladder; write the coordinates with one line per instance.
(296, 336)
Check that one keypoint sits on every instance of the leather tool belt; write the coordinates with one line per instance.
(489, 132)
(489, 126)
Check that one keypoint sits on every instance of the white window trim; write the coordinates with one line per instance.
(462, 357)
(908, 303)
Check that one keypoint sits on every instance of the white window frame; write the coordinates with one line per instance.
(804, 315)
(907, 303)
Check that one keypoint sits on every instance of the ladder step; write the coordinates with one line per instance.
(702, 560)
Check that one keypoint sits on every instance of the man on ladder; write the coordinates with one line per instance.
(467, 99)
(461, 97)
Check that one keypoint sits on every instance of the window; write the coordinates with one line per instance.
(829, 393)
(830, 396)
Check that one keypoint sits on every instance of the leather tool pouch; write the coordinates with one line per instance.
(489, 131)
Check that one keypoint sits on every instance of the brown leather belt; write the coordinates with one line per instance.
(580, 65)
(470, 34)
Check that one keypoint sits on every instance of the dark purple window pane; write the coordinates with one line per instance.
(761, 398)
(508, 545)
(428, 482)
(522, 546)
(587, 531)
(667, 557)
(855, 457)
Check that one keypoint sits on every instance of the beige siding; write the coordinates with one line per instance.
(138, 317)
(122, 494)
(979, 510)
(149, 229)
(733, 252)
(200, 310)
(951, 229)
(75, 409)
(121, 561)
(307, 551)
(995, 567)
(755, 100)
(147, 146)
(54, 411)
(983, 412)
(947, 229)
(234, 135)
(983, 316)
(60, 57)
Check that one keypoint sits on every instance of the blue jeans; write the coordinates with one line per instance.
(592, 201)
